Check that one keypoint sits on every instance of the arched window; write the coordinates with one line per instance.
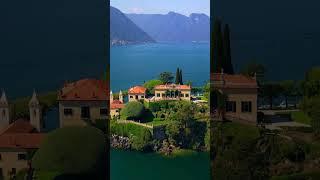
(34, 113)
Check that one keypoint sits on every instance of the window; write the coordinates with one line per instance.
(142, 97)
(181, 95)
(163, 95)
(104, 112)
(187, 95)
(158, 94)
(137, 97)
(131, 97)
(0, 157)
(246, 106)
(85, 112)
(231, 106)
(22, 157)
(68, 112)
(3, 113)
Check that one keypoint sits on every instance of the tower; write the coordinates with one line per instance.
(4, 111)
(35, 112)
(111, 97)
(120, 96)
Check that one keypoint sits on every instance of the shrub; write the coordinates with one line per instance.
(133, 110)
(73, 150)
(142, 141)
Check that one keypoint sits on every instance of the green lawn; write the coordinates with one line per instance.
(300, 117)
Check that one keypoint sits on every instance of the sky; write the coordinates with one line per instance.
(185, 7)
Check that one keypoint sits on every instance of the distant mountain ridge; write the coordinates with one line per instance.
(174, 27)
(124, 31)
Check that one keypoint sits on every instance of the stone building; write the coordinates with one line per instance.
(241, 95)
(18, 138)
(116, 105)
(83, 101)
(172, 92)
(137, 93)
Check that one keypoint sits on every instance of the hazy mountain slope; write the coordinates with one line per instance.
(123, 30)
(174, 26)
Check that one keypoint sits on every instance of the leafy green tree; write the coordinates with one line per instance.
(151, 84)
(287, 89)
(166, 77)
(142, 141)
(270, 91)
(314, 112)
(253, 69)
(133, 110)
(76, 151)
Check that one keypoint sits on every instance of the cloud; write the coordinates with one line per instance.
(135, 10)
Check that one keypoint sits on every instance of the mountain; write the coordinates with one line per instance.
(124, 31)
(174, 27)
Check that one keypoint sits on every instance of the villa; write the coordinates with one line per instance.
(137, 93)
(18, 137)
(172, 92)
(241, 91)
(82, 101)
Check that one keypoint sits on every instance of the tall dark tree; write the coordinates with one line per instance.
(180, 77)
(177, 76)
(227, 63)
(216, 48)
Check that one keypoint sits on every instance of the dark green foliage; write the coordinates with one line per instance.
(177, 76)
(180, 77)
(142, 141)
(73, 150)
(166, 77)
(133, 111)
(101, 124)
(217, 47)
(228, 67)
(270, 91)
(151, 84)
(254, 69)
(314, 113)
(19, 107)
(287, 89)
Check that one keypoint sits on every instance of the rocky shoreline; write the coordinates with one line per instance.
(120, 142)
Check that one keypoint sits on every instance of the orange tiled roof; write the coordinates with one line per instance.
(137, 90)
(21, 140)
(235, 81)
(116, 104)
(20, 126)
(172, 86)
(85, 90)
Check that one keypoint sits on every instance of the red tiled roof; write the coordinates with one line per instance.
(137, 90)
(21, 140)
(172, 86)
(85, 90)
(19, 126)
(234, 81)
(116, 104)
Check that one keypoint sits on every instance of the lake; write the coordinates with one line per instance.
(138, 166)
(135, 64)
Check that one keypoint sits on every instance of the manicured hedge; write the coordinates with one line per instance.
(73, 150)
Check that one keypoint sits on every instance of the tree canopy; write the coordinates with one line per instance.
(166, 77)
(151, 84)
(73, 150)
(133, 110)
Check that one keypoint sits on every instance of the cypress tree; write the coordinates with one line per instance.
(217, 47)
(177, 76)
(180, 77)
(227, 50)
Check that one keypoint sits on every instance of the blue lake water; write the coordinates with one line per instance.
(135, 64)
